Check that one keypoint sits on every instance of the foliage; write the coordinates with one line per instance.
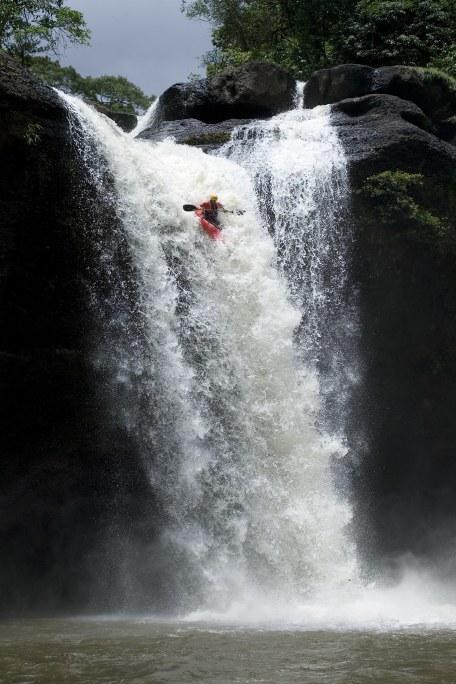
(30, 27)
(415, 206)
(400, 31)
(32, 133)
(53, 74)
(293, 33)
(115, 92)
(430, 72)
(446, 61)
(304, 35)
(394, 192)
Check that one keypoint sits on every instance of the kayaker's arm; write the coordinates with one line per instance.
(220, 207)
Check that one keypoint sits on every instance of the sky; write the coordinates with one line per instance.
(149, 41)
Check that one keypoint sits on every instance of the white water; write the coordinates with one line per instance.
(230, 417)
(249, 492)
(299, 172)
(147, 119)
(299, 96)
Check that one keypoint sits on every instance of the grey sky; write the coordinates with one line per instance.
(148, 41)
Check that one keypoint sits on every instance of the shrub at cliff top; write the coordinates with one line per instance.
(413, 206)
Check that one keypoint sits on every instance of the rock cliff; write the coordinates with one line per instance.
(65, 491)
(403, 175)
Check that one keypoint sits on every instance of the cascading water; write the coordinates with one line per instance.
(147, 119)
(299, 171)
(228, 412)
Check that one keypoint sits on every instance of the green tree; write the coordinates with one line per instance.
(31, 27)
(304, 35)
(117, 93)
(414, 32)
(297, 34)
(53, 74)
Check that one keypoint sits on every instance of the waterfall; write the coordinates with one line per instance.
(147, 119)
(225, 358)
(299, 172)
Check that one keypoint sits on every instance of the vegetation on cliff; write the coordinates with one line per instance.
(303, 36)
(115, 92)
(411, 205)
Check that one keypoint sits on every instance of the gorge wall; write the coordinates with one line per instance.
(74, 497)
(66, 490)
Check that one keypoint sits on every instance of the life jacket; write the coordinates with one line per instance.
(211, 213)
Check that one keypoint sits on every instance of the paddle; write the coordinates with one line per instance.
(191, 207)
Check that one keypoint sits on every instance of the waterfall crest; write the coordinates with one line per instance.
(228, 413)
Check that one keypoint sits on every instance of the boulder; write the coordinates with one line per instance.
(339, 83)
(381, 132)
(18, 87)
(253, 90)
(433, 92)
(207, 137)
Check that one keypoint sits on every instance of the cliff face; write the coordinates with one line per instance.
(403, 175)
(64, 488)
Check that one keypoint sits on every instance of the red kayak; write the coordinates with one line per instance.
(213, 232)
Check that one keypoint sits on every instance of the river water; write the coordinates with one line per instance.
(150, 652)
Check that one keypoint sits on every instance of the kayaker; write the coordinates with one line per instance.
(210, 210)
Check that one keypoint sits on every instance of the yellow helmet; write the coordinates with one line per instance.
(214, 198)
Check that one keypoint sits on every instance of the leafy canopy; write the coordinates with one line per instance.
(413, 32)
(115, 92)
(304, 35)
(30, 27)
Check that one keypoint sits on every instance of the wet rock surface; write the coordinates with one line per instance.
(433, 93)
(382, 132)
(207, 137)
(65, 489)
(402, 428)
(254, 90)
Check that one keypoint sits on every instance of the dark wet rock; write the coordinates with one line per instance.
(381, 132)
(71, 480)
(434, 93)
(339, 83)
(447, 130)
(27, 93)
(402, 426)
(253, 90)
(207, 137)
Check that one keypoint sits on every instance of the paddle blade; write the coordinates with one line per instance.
(189, 207)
